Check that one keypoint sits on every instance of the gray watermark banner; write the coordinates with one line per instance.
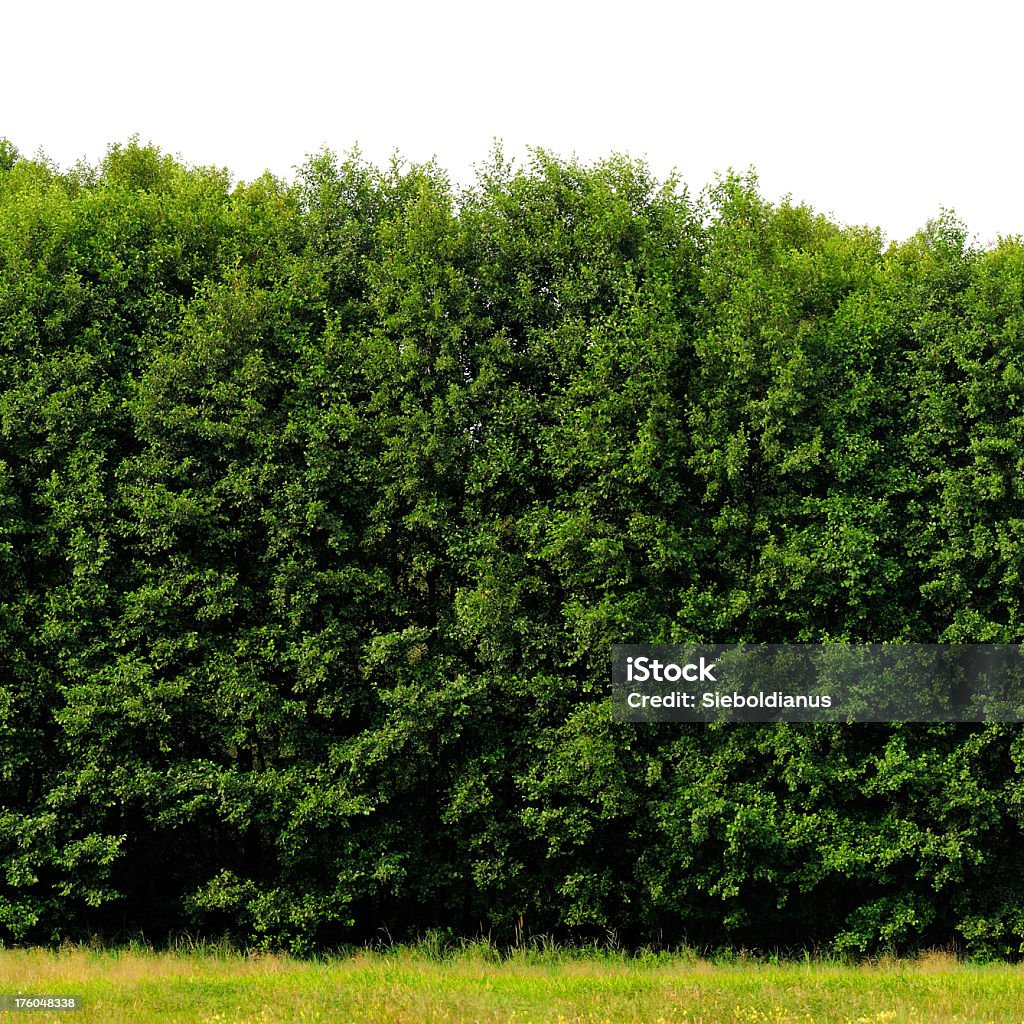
(838, 682)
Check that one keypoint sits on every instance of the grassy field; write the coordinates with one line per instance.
(409, 986)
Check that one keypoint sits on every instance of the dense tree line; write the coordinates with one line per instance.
(322, 502)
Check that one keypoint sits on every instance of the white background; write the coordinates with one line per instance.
(878, 113)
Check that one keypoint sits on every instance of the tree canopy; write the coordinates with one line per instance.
(322, 502)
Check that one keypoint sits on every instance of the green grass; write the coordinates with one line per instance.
(475, 986)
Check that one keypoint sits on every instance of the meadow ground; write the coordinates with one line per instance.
(410, 986)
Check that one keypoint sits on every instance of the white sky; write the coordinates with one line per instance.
(878, 113)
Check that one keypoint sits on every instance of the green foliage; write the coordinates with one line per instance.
(321, 504)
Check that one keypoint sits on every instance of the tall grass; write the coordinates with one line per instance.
(439, 981)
